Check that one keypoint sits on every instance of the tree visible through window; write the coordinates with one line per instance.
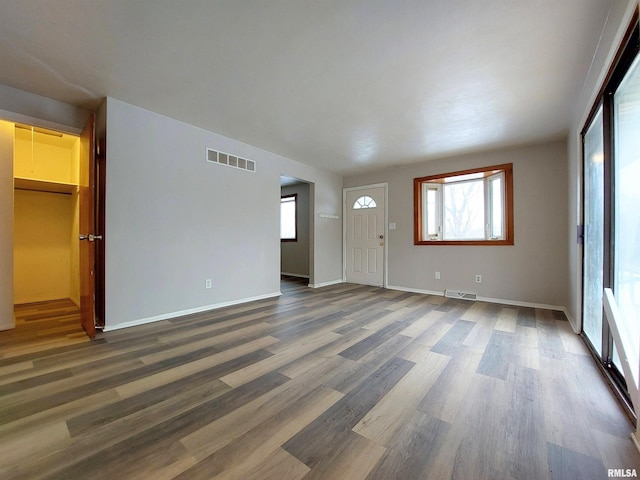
(471, 207)
(288, 218)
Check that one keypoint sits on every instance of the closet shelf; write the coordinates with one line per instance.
(44, 185)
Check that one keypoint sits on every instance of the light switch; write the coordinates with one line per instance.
(392, 226)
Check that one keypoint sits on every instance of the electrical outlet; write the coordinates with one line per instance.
(478, 278)
(207, 283)
(437, 275)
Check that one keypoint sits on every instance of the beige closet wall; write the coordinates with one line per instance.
(42, 247)
(45, 157)
(6, 225)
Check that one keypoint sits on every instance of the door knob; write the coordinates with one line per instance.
(91, 237)
(381, 237)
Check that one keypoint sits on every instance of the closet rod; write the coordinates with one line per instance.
(39, 190)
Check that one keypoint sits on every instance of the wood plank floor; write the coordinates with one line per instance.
(344, 382)
(42, 326)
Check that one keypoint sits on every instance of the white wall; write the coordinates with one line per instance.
(6, 225)
(174, 220)
(294, 256)
(617, 22)
(531, 271)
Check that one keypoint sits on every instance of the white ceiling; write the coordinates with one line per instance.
(346, 85)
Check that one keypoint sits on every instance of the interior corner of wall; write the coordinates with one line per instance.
(576, 327)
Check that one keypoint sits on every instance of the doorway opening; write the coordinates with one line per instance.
(46, 246)
(52, 187)
(296, 228)
(46, 273)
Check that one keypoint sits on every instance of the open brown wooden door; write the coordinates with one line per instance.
(87, 227)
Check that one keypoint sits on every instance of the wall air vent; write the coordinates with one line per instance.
(228, 160)
(460, 295)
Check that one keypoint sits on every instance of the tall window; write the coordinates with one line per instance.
(289, 218)
(593, 231)
(470, 207)
(611, 224)
(626, 264)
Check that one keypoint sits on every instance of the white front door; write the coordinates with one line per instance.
(364, 236)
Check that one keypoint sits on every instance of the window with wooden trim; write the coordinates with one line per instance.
(469, 207)
(289, 218)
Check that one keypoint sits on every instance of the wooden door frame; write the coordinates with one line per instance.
(87, 226)
(97, 178)
(385, 248)
(99, 205)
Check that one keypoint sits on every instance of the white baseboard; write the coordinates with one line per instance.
(576, 328)
(299, 275)
(190, 311)
(515, 303)
(215, 306)
(325, 284)
(572, 321)
(518, 303)
(416, 290)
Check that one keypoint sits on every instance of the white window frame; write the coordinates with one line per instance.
(438, 211)
(489, 206)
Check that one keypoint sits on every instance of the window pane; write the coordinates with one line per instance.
(288, 218)
(626, 286)
(593, 233)
(432, 221)
(496, 207)
(364, 202)
(464, 210)
(461, 178)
